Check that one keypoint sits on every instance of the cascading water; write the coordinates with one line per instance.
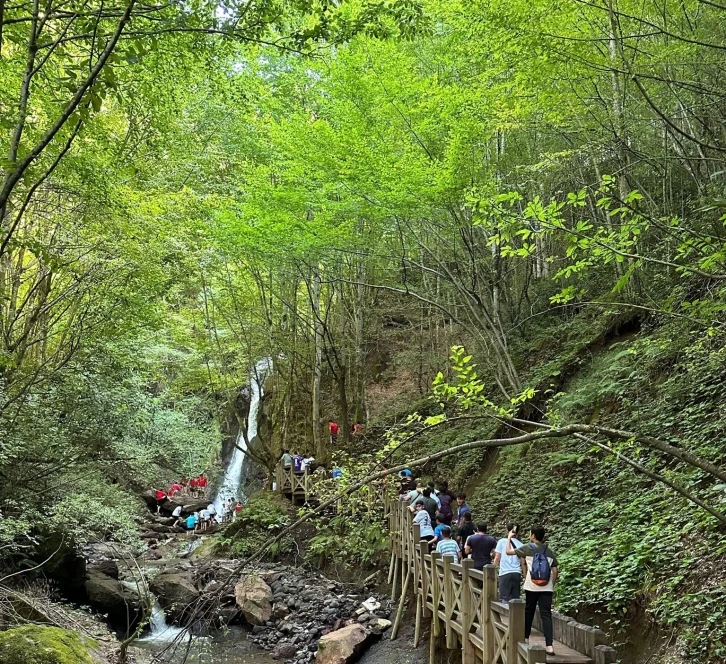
(160, 630)
(233, 475)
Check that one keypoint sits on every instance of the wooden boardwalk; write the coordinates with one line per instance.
(460, 605)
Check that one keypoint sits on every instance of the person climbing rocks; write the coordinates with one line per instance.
(212, 514)
(333, 428)
(510, 567)
(462, 508)
(465, 531)
(480, 546)
(447, 547)
(192, 521)
(177, 513)
(174, 489)
(447, 500)
(357, 429)
(422, 518)
(539, 585)
(160, 496)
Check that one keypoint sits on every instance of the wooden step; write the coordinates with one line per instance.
(563, 654)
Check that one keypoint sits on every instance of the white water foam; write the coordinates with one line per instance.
(160, 630)
(233, 475)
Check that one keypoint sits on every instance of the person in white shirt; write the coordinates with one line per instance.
(177, 514)
(511, 568)
(423, 519)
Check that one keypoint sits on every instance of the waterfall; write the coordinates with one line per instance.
(233, 475)
(160, 630)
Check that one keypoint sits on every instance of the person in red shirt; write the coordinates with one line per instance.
(333, 428)
(193, 485)
(357, 429)
(174, 489)
(183, 484)
(160, 498)
(203, 483)
(237, 509)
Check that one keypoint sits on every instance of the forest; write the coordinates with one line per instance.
(449, 222)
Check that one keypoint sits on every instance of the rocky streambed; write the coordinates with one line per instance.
(295, 614)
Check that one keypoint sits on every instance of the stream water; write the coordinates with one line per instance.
(230, 487)
(230, 646)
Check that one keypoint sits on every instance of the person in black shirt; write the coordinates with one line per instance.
(480, 546)
(465, 530)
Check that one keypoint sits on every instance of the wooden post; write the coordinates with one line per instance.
(417, 629)
(467, 613)
(423, 549)
(395, 578)
(605, 655)
(536, 654)
(489, 595)
(516, 629)
(432, 639)
(449, 603)
(402, 601)
(415, 559)
(393, 562)
(436, 590)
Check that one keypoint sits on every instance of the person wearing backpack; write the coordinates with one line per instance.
(539, 586)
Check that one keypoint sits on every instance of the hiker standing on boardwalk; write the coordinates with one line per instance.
(447, 500)
(480, 546)
(465, 531)
(539, 586)
(510, 567)
(423, 519)
(462, 508)
(447, 546)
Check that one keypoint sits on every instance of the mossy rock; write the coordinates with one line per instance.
(207, 549)
(34, 644)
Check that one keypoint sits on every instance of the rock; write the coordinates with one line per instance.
(106, 567)
(254, 598)
(175, 591)
(279, 611)
(364, 617)
(110, 596)
(342, 646)
(383, 624)
(34, 644)
(284, 651)
(371, 605)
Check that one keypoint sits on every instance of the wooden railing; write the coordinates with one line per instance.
(299, 487)
(465, 613)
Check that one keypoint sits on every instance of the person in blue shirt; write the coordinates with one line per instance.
(440, 525)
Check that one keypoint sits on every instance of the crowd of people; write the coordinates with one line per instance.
(195, 487)
(200, 520)
(445, 521)
(208, 517)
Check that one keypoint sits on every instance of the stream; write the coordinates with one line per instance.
(229, 646)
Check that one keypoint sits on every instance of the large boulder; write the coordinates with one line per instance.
(120, 601)
(254, 598)
(34, 644)
(176, 593)
(342, 646)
